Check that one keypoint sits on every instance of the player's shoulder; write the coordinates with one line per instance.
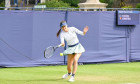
(71, 28)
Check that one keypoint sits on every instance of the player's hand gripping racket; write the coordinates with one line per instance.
(50, 51)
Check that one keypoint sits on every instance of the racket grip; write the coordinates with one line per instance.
(59, 45)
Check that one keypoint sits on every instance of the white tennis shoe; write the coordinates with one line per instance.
(71, 79)
(65, 76)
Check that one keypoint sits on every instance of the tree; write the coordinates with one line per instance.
(138, 5)
(73, 3)
(2, 4)
(127, 7)
(55, 3)
(122, 4)
(109, 2)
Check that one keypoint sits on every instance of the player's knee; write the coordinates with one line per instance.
(75, 61)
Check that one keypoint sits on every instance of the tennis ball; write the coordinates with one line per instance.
(61, 54)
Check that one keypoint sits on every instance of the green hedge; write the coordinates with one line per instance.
(73, 3)
(55, 3)
(109, 2)
(127, 7)
(2, 4)
(138, 5)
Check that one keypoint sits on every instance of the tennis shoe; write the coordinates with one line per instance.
(65, 76)
(71, 79)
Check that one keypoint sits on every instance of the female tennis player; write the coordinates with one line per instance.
(74, 50)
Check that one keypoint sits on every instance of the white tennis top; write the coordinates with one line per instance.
(70, 37)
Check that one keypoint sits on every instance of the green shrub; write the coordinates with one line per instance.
(55, 3)
(109, 2)
(2, 4)
(73, 3)
(138, 5)
(127, 7)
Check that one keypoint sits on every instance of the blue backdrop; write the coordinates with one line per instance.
(25, 34)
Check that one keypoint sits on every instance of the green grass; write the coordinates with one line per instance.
(118, 73)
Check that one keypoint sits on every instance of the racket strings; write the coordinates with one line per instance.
(49, 52)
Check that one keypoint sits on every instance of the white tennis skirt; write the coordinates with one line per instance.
(76, 49)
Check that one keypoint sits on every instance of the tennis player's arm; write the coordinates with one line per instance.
(63, 44)
(62, 40)
(85, 30)
(80, 32)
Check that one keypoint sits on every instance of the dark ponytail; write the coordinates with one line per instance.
(60, 28)
(58, 32)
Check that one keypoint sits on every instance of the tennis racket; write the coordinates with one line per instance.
(48, 52)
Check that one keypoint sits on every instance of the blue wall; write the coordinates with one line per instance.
(25, 34)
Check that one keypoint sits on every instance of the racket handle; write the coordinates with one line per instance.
(59, 45)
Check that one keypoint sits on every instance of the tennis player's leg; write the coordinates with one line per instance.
(70, 62)
(75, 65)
(69, 65)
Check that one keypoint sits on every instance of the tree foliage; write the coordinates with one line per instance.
(2, 3)
(109, 2)
(55, 3)
(73, 3)
(138, 5)
(127, 7)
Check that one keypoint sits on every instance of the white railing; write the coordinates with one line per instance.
(66, 9)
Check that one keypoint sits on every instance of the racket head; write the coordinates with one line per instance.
(49, 52)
